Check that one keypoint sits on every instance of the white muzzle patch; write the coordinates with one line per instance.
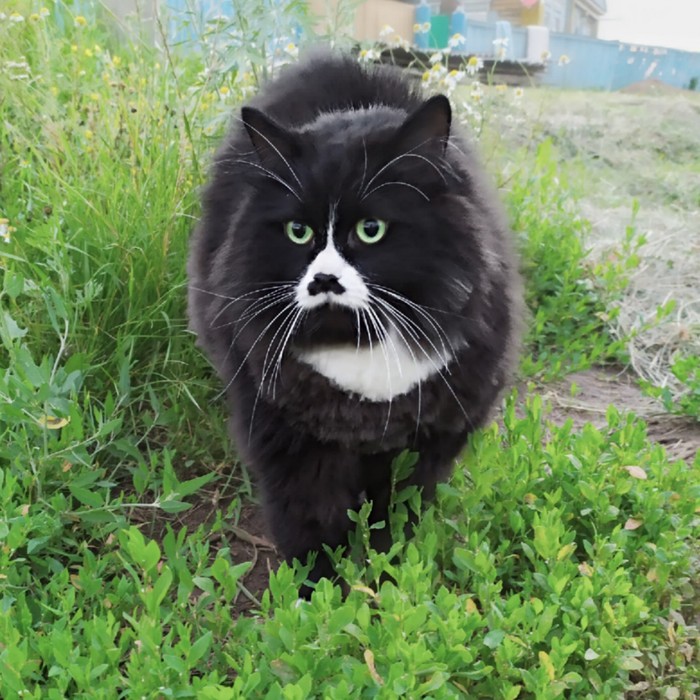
(329, 261)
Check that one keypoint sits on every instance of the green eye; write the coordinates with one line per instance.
(370, 230)
(297, 232)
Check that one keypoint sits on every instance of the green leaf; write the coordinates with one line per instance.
(173, 506)
(9, 330)
(13, 284)
(94, 499)
(199, 649)
(339, 618)
(494, 638)
(630, 663)
(186, 488)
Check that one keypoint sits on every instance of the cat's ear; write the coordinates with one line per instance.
(271, 141)
(428, 126)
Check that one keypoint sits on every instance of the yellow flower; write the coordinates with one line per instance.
(80, 21)
(34, 17)
(94, 97)
(88, 53)
(74, 48)
(224, 90)
(518, 93)
(88, 134)
(54, 90)
(97, 49)
(116, 60)
(474, 65)
(501, 87)
(426, 76)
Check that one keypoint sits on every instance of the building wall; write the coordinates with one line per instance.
(370, 17)
(556, 15)
(582, 22)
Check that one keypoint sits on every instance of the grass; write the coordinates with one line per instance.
(554, 564)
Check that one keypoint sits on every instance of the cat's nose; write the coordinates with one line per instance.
(325, 283)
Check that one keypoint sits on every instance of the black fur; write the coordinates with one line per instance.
(311, 140)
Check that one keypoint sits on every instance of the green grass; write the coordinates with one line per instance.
(554, 564)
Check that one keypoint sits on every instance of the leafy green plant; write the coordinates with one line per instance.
(571, 298)
(687, 371)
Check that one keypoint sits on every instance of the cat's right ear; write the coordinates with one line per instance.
(427, 127)
(272, 142)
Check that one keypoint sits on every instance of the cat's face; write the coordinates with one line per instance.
(354, 216)
(350, 230)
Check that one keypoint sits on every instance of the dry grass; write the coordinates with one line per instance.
(618, 147)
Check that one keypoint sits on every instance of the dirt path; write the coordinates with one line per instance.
(596, 389)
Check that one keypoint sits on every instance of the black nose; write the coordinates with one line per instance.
(325, 283)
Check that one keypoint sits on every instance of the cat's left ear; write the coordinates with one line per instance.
(271, 141)
(428, 126)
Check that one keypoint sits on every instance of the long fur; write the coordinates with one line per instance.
(330, 143)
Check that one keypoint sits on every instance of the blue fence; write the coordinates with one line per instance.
(592, 64)
(611, 65)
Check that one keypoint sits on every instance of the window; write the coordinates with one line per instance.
(555, 15)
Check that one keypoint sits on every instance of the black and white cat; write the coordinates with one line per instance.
(354, 284)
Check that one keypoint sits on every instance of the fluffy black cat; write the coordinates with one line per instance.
(353, 282)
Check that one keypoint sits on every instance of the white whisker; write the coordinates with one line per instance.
(270, 295)
(280, 355)
(408, 154)
(397, 182)
(273, 176)
(438, 372)
(276, 150)
(266, 369)
(419, 309)
(250, 350)
(410, 350)
(364, 169)
(382, 335)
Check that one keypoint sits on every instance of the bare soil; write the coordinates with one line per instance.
(584, 398)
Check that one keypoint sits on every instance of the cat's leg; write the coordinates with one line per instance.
(436, 456)
(307, 498)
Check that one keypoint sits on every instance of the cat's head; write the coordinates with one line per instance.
(353, 225)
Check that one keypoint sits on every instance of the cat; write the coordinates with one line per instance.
(353, 281)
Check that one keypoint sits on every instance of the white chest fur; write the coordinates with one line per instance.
(385, 371)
